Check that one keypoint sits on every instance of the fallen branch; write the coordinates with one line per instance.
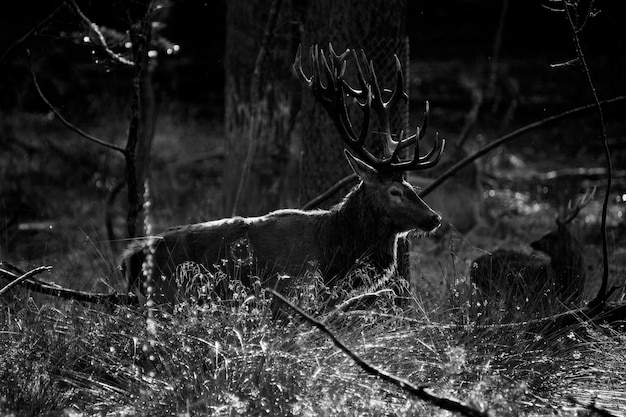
(330, 192)
(569, 174)
(45, 288)
(419, 392)
(23, 278)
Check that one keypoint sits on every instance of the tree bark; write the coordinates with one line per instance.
(258, 123)
(377, 27)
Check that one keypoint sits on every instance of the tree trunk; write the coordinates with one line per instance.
(141, 126)
(258, 122)
(377, 27)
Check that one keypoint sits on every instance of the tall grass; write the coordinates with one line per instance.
(212, 356)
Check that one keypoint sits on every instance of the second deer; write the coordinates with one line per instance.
(518, 277)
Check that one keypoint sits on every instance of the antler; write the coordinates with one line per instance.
(332, 97)
(574, 208)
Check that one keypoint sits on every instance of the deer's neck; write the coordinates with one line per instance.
(568, 268)
(356, 231)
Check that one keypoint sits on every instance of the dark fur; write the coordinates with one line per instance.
(567, 266)
(363, 227)
(519, 276)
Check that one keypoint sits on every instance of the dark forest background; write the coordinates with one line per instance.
(57, 189)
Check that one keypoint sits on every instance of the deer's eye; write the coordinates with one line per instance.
(395, 192)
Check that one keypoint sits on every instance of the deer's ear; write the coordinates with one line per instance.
(365, 172)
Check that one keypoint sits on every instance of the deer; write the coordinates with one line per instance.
(519, 277)
(363, 227)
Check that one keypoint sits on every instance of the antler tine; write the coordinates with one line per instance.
(363, 92)
(329, 70)
(382, 111)
(421, 131)
(332, 96)
(399, 93)
(339, 60)
(297, 67)
(582, 202)
(425, 119)
(423, 162)
(368, 96)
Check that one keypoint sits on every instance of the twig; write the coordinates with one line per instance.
(419, 392)
(602, 296)
(70, 125)
(24, 277)
(508, 137)
(66, 293)
(31, 32)
(103, 43)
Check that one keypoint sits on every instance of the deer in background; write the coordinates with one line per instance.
(518, 277)
(364, 227)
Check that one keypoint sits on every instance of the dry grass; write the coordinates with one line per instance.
(231, 358)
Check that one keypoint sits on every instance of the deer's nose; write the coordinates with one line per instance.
(432, 222)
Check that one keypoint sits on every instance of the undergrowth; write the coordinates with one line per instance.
(211, 356)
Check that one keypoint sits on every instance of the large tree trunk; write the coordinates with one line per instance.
(377, 27)
(259, 111)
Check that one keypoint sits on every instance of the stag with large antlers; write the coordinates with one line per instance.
(364, 227)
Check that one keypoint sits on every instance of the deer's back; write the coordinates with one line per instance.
(282, 242)
(510, 274)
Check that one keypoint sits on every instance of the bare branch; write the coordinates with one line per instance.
(330, 192)
(70, 125)
(419, 392)
(481, 152)
(24, 277)
(507, 138)
(66, 293)
(103, 43)
(32, 32)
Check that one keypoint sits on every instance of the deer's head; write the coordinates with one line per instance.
(400, 208)
(399, 205)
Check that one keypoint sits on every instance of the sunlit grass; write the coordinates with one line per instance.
(230, 357)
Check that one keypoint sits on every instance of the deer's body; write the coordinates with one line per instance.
(364, 227)
(567, 265)
(517, 276)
